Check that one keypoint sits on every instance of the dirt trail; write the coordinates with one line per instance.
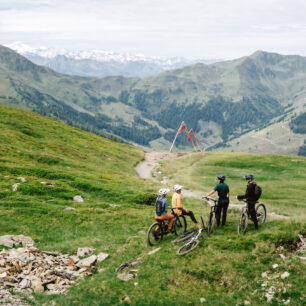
(151, 162)
(152, 159)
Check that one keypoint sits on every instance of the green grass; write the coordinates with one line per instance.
(282, 177)
(225, 269)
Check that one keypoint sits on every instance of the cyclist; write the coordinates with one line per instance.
(250, 197)
(223, 199)
(177, 203)
(161, 212)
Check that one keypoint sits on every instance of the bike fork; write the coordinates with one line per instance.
(203, 225)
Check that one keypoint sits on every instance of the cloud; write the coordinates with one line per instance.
(190, 28)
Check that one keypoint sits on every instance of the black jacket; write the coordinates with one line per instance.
(249, 195)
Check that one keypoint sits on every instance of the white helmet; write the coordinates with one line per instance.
(163, 191)
(177, 187)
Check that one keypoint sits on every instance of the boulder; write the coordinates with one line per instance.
(87, 262)
(101, 257)
(128, 264)
(285, 275)
(264, 274)
(114, 205)
(125, 276)
(36, 285)
(126, 299)
(25, 283)
(15, 186)
(78, 198)
(85, 252)
(73, 260)
(11, 241)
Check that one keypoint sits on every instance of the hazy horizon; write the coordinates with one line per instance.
(192, 30)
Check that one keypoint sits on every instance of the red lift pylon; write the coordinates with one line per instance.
(183, 126)
(195, 138)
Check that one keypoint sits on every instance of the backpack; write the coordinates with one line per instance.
(257, 192)
(159, 206)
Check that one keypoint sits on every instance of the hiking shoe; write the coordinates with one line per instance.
(156, 234)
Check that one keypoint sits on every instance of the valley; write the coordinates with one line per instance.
(118, 209)
(231, 105)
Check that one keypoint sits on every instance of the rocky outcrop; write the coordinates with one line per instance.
(33, 270)
(11, 241)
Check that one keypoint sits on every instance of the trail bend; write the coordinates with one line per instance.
(146, 168)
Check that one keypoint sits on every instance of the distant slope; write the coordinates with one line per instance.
(221, 101)
(100, 63)
(70, 99)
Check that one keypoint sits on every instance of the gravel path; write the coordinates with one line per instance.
(151, 162)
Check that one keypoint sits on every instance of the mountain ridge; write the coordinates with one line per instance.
(100, 63)
(220, 101)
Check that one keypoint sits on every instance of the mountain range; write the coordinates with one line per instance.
(101, 63)
(245, 104)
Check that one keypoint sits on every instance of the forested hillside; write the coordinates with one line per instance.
(221, 102)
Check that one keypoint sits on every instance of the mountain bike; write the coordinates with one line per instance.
(158, 229)
(261, 214)
(193, 241)
(212, 214)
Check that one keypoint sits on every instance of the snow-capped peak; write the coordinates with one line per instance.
(97, 55)
(20, 47)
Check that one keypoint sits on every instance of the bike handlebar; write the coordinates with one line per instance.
(209, 198)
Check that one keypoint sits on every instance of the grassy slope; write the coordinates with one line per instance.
(282, 177)
(25, 85)
(225, 269)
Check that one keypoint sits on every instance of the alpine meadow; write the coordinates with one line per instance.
(149, 155)
(258, 96)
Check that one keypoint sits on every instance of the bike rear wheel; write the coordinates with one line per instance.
(261, 213)
(211, 224)
(188, 247)
(180, 225)
(155, 234)
(185, 236)
(243, 224)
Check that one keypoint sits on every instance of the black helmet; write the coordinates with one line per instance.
(221, 177)
(249, 177)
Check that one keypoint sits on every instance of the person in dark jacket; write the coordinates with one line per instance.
(250, 197)
(223, 199)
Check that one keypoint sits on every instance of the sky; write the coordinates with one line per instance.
(192, 29)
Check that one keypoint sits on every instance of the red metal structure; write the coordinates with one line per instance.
(183, 126)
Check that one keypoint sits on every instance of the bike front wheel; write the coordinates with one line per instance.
(155, 234)
(188, 247)
(180, 225)
(261, 213)
(185, 236)
(211, 224)
(242, 224)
